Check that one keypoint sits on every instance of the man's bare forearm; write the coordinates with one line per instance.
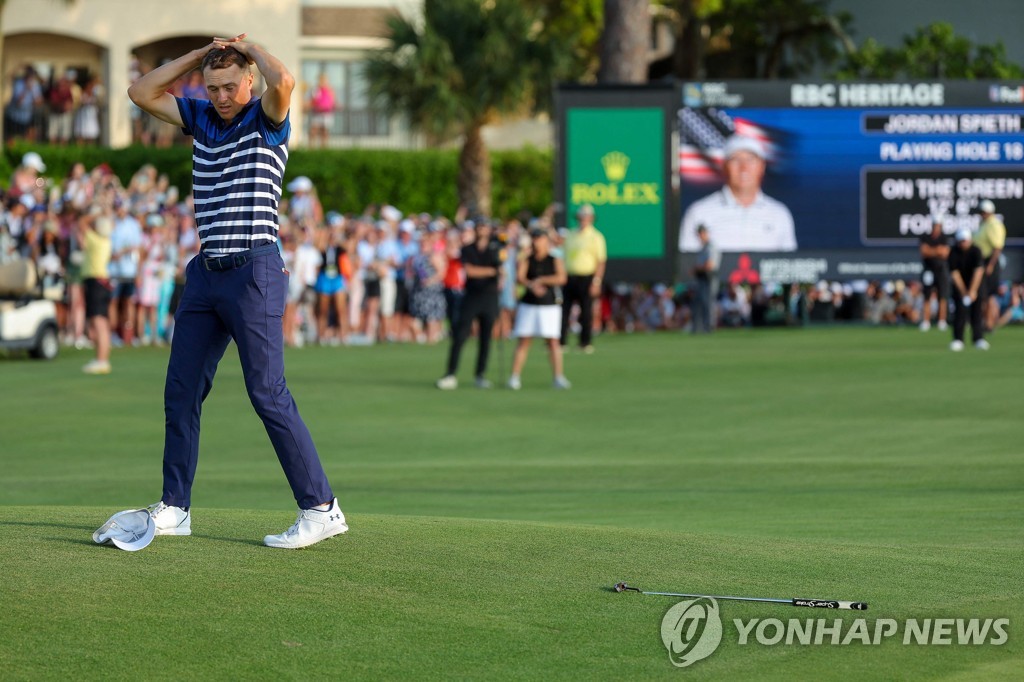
(976, 283)
(273, 70)
(154, 84)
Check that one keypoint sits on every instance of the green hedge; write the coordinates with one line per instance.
(347, 179)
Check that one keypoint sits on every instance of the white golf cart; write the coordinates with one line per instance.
(28, 321)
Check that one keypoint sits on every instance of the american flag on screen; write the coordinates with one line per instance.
(702, 135)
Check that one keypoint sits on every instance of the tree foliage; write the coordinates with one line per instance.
(460, 66)
(576, 25)
(933, 51)
(754, 38)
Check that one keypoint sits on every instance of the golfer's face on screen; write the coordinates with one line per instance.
(229, 89)
(744, 171)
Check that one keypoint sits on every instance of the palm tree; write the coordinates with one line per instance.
(460, 66)
(627, 29)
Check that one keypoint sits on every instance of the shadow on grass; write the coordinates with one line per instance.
(76, 541)
(71, 526)
(240, 541)
(36, 524)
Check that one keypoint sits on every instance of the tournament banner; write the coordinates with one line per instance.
(859, 166)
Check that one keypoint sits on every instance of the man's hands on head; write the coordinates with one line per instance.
(238, 42)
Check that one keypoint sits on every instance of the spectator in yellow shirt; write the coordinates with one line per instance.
(585, 258)
(991, 239)
(94, 231)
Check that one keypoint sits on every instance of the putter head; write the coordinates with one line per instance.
(623, 587)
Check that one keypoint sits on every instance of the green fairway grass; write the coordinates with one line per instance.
(487, 526)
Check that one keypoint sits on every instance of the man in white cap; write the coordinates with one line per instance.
(23, 181)
(739, 217)
(304, 208)
(991, 239)
(966, 268)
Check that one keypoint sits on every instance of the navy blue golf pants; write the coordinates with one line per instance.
(245, 304)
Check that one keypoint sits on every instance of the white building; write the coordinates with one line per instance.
(107, 38)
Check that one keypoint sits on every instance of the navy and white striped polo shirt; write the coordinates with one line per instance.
(237, 171)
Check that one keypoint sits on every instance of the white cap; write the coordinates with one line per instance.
(987, 206)
(963, 234)
(407, 226)
(130, 530)
(391, 214)
(300, 184)
(33, 160)
(742, 143)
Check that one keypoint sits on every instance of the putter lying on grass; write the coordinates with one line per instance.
(813, 603)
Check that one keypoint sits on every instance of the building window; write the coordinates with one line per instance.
(344, 111)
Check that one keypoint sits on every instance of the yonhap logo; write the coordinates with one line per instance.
(691, 631)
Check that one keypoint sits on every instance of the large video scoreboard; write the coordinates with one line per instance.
(862, 167)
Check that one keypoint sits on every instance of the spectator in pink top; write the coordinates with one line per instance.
(321, 119)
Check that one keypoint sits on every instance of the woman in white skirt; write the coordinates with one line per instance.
(539, 312)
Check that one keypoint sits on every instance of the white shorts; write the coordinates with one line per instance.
(544, 321)
(322, 120)
(388, 291)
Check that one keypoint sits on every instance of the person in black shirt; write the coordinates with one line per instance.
(482, 262)
(935, 275)
(539, 313)
(966, 267)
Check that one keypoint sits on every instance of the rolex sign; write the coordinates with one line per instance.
(615, 162)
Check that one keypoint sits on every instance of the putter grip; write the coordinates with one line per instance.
(831, 604)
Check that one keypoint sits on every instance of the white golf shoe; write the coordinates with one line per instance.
(982, 344)
(171, 520)
(310, 527)
(956, 346)
(447, 383)
(97, 367)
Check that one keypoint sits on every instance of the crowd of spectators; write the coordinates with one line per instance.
(151, 131)
(377, 276)
(66, 107)
(400, 276)
(639, 307)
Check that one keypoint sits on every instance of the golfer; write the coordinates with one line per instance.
(236, 288)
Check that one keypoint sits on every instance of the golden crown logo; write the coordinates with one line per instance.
(615, 165)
